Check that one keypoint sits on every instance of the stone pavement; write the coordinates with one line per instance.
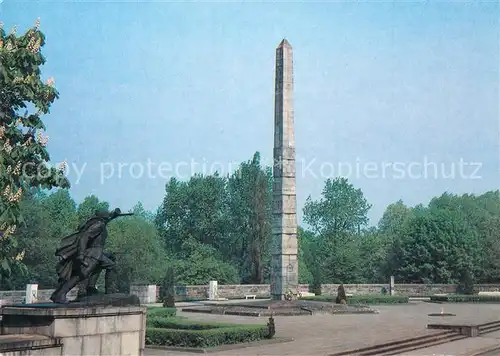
(325, 334)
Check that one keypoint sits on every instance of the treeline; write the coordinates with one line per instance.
(214, 227)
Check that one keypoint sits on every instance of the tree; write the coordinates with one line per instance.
(438, 245)
(139, 252)
(29, 238)
(88, 207)
(139, 210)
(394, 218)
(250, 210)
(196, 208)
(391, 231)
(342, 209)
(308, 264)
(337, 219)
(483, 213)
(168, 289)
(374, 248)
(489, 229)
(230, 217)
(200, 263)
(23, 156)
(48, 218)
(192, 221)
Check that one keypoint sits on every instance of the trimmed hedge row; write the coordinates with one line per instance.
(185, 324)
(363, 299)
(162, 312)
(205, 338)
(185, 333)
(457, 298)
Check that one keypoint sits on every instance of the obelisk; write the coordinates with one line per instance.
(284, 263)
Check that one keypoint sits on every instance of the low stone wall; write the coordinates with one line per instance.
(17, 296)
(146, 293)
(410, 290)
(230, 291)
(263, 290)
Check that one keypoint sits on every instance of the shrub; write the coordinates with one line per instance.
(378, 299)
(162, 312)
(168, 289)
(315, 287)
(364, 299)
(457, 298)
(184, 333)
(271, 327)
(341, 296)
(466, 285)
(184, 324)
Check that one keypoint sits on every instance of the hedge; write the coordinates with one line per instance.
(363, 299)
(162, 312)
(184, 333)
(457, 298)
(178, 323)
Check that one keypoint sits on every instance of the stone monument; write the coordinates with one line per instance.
(212, 291)
(31, 293)
(284, 263)
(82, 258)
(94, 324)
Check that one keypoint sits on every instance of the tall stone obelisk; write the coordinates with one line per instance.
(284, 263)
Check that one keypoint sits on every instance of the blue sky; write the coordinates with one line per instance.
(377, 84)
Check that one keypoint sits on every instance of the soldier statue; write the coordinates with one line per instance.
(82, 258)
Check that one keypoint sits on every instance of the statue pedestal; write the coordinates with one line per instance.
(91, 330)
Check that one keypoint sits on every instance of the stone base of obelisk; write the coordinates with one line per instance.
(279, 307)
(73, 329)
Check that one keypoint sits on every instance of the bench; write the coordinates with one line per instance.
(250, 296)
(307, 294)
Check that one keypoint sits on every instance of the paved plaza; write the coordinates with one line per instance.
(325, 334)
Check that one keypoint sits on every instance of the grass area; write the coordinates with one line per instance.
(462, 298)
(363, 299)
(166, 329)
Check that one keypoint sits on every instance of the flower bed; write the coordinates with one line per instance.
(462, 298)
(363, 299)
(180, 332)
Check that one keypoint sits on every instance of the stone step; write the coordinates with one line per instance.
(470, 330)
(27, 343)
(419, 346)
(404, 345)
(489, 327)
